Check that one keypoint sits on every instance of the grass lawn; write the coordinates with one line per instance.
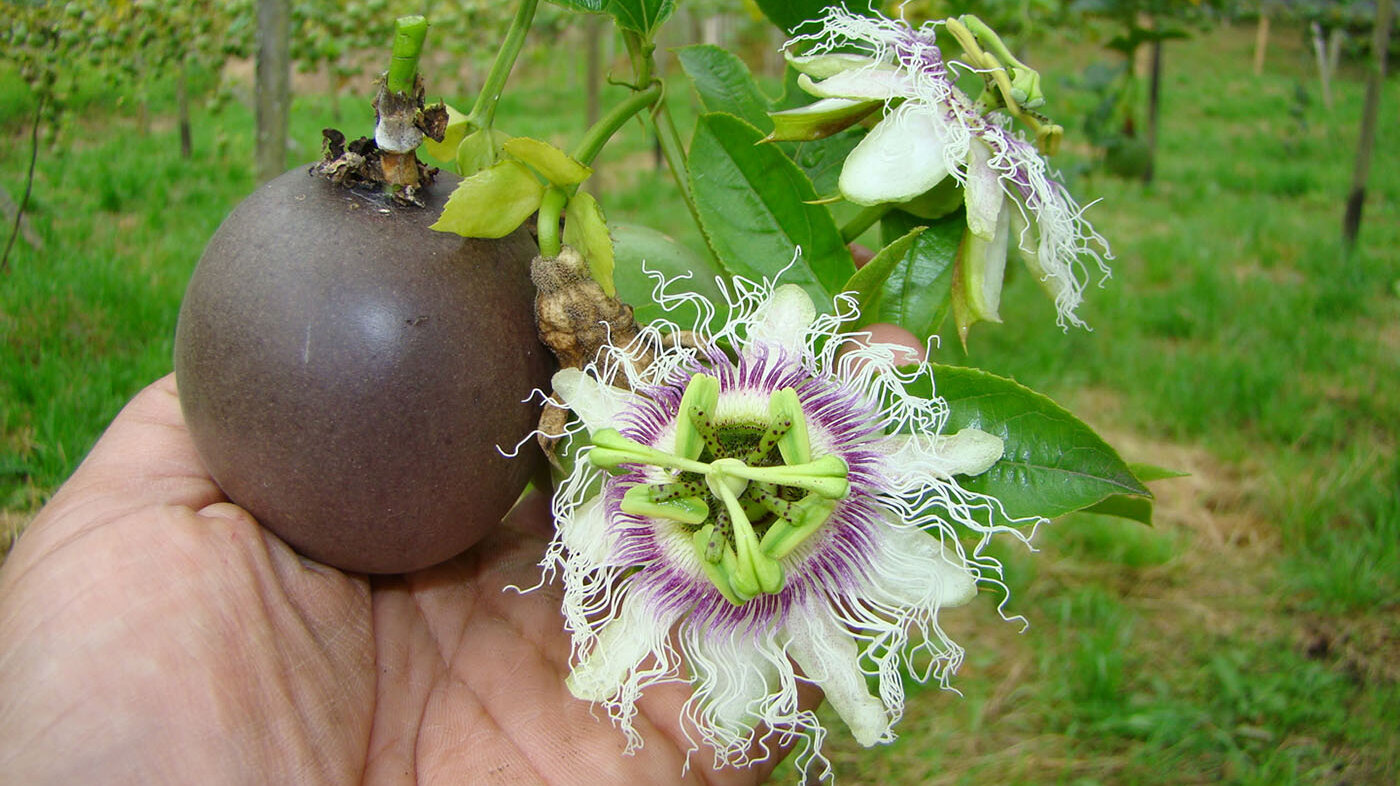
(1251, 636)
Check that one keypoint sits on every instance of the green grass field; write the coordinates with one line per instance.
(1252, 636)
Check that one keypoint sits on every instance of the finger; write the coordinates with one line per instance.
(906, 346)
(860, 254)
(144, 458)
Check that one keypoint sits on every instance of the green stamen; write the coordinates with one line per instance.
(806, 519)
(642, 500)
(700, 419)
(776, 430)
(825, 476)
(611, 449)
(733, 557)
(714, 571)
(755, 568)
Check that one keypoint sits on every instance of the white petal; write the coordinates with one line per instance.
(736, 680)
(1034, 252)
(984, 265)
(899, 160)
(622, 645)
(586, 533)
(968, 452)
(827, 655)
(867, 84)
(983, 193)
(823, 66)
(915, 570)
(783, 319)
(597, 405)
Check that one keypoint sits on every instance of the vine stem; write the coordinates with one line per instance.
(28, 184)
(484, 110)
(409, 33)
(672, 149)
(598, 135)
(552, 206)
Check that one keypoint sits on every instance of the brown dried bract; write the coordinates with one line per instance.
(576, 319)
(401, 118)
(360, 164)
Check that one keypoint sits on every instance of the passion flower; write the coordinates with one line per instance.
(760, 508)
(932, 130)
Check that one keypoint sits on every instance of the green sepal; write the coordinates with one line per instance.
(586, 230)
(982, 265)
(556, 166)
(479, 150)
(937, 202)
(492, 203)
(796, 445)
(818, 120)
(701, 392)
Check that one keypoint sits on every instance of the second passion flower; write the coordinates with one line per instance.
(760, 507)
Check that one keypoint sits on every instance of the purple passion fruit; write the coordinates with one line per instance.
(347, 373)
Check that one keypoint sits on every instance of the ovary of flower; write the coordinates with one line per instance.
(770, 513)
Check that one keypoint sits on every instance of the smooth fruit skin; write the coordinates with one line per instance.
(348, 374)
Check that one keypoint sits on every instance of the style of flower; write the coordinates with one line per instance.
(762, 506)
(933, 130)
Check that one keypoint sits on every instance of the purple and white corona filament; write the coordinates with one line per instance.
(761, 507)
(933, 130)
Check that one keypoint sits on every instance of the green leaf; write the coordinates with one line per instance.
(909, 282)
(558, 167)
(492, 203)
(587, 231)
(1150, 472)
(639, 16)
(1054, 463)
(791, 14)
(868, 282)
(725, 84)
(635, 247)
(754, 209)
(582, 6)
(1124, 506)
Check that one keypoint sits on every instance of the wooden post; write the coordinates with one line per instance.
(1380, 46)
(1261, 40)
(1323, 74)
(272, 87)
(182, 109)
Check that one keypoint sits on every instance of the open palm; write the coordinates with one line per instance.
(153, 632)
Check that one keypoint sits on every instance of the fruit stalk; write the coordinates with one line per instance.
(398, 105)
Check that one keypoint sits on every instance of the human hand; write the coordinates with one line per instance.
(153, 632)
